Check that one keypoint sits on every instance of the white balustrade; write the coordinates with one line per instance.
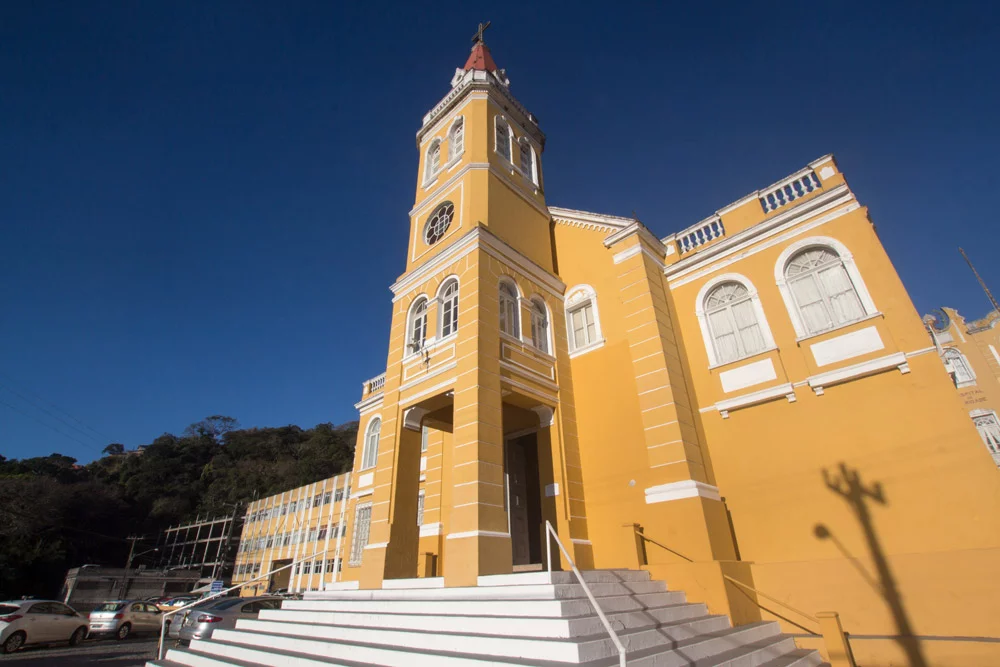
(374, 385)
(788, 191)
(700, 234)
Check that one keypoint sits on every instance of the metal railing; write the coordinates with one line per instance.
(163, 619)
(834, 638)
(550, 531)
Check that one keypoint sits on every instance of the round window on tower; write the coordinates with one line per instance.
(437, 224)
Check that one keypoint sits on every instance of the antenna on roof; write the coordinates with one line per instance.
(982, 283)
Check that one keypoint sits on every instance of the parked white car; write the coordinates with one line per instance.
(123, 618)
(24, 622)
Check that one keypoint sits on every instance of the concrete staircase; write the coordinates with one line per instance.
(541, 619)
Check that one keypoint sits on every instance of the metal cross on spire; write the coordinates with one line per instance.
(478, 37)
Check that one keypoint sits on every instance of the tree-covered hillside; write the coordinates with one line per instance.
(55, 514)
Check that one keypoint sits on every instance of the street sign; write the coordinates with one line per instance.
(217, 585)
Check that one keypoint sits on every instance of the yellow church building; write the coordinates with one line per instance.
(756, 395)
(750, 409)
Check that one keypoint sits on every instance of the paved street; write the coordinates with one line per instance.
(101, 653)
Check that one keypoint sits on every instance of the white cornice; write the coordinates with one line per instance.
(636, 227)
(588, 220)
(478, 238)
(368, 403)
(826, 201)
(753, 398)
(897, 360)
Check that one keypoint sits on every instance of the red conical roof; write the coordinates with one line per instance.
(480, 59)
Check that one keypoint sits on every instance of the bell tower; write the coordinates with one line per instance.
(480, 164)
(463, 444)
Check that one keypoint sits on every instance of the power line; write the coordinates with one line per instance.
(47, 425)
(51, 414)
(62, 410)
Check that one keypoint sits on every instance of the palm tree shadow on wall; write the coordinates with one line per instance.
(848, 485)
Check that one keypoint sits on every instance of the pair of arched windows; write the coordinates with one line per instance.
(456, 146)
(510, 316)
(821, 288)
(416, 327)
(527, 162)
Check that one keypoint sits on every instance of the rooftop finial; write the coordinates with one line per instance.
(478, 37)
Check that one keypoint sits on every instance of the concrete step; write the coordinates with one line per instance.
(491, 607)
(514, 592)
(425, 620)
(739, 647)
(316, 640)
(798, 658)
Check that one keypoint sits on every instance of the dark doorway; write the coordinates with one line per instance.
(524, 503)
(280, 580)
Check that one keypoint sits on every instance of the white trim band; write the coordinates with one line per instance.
(476, 533)
(688, 488)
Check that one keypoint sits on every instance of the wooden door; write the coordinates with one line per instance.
(517, 503)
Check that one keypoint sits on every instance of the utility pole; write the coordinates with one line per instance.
(982, 283)
(128, 563)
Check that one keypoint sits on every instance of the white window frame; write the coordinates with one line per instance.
(852, 272)
(357, 545)
(702, 314)
(525, 149)
(431, 170)
(948, 352)
(441, 333)
(503, 297)
(993, 449)
(425, 434)
(421, 499)
(369, 456)
(497, 121)
(456, 148)
(411, 319)
(577, 297)
(535, 304)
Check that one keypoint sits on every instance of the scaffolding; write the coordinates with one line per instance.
(207, 544)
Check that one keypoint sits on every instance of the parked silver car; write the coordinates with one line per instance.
(200, 622)
(122, 618)
(39, 622)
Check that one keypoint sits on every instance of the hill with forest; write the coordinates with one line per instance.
(56, 514)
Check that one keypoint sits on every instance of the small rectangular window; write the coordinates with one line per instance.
(420, 509)
(424, 437)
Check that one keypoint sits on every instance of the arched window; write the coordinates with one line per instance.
(989, 430)
(448, 299)
(527, 160)
(510, 321)
(582, 320)
(958, 366)
(822, 290)
(539, 325)
(433, 162)
(456, 139)
(503, 138)
(417, 327)
(370, 456)
(732, 323)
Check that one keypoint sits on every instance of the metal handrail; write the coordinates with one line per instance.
(586, 589)
(732, 580)
(163, 620)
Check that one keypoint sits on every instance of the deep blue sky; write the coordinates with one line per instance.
(202, 204)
